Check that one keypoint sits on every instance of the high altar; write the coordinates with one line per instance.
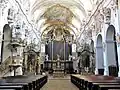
(58, 54)
(58, 57)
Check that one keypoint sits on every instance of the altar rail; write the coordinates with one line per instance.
(32, 82)
(95, 82)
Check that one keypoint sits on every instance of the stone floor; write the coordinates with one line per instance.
(59, 84)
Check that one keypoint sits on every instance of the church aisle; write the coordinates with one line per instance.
(59, 84)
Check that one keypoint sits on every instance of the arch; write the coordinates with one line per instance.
(99, 40)
(111, 50)
(6, 38)
(92, 56)
(110, 33)
(92, 46)
(99, 55)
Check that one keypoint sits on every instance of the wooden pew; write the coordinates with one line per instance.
(20, 79)
(93, 82)
(102, 81)
(105, 86)
(23, 85)
(89, 80)
(33, 82)
(92, 85)
(14, 86)
(19, 87)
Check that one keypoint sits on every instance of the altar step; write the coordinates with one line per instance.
(58, 74)
(59, 84)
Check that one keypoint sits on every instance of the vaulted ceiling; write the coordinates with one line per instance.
(64, 14)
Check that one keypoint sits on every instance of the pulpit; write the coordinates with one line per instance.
(16, 65)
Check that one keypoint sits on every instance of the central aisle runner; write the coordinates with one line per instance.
(59, 84)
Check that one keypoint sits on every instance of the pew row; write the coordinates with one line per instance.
(95, 82)
(32, 82)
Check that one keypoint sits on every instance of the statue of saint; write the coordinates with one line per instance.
(70, 57)
(58, 57)
(58, 35)
(58, 61)
(46, 57)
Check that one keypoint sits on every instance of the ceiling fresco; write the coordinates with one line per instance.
(65, 15)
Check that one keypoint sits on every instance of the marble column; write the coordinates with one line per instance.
(106, 70)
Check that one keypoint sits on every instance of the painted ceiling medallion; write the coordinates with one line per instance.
(58, 13)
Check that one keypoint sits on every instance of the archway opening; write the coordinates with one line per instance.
(112, 56)
(6, 39)
(99, 56)
(92, 57)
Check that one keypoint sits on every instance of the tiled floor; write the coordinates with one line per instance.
(59, 84)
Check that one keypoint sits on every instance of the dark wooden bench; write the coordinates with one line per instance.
(89, 81)
(107, 87)
(93, 85)
(33, 82)
(98, 86)
(23, 85)
(18, 87)
(93, 82)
